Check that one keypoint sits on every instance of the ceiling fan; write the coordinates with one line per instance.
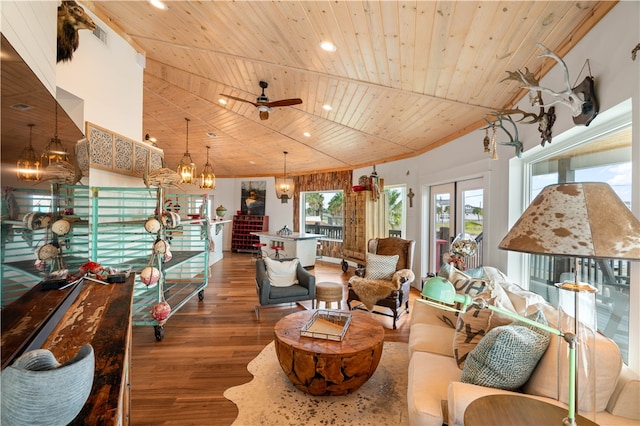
(263, 104)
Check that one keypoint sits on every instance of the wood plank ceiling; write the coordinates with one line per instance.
(407, 76)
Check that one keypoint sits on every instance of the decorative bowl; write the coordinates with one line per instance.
(357, 188)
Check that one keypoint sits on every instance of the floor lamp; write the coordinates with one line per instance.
(579, 220)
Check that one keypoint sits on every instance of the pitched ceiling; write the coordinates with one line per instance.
(406, 76)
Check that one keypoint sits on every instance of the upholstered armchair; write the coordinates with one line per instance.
(386, 279)
(282, 281)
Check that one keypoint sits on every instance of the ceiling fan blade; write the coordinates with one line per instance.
(239, 99)
(264, 115)
(284, 102)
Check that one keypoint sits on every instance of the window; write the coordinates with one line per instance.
(598, 154)
(322, 213)
(397, 209)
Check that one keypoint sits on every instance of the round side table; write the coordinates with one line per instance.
(509, 410)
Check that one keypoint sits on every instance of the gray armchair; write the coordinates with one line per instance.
(269, 295)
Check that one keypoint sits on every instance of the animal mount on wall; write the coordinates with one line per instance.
(514, 139)
(71, 18)
(545, 119)
(581, 99)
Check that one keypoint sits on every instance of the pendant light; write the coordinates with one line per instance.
(28, 164)
(208, 178)
(187, 168)
(284, 185)
(54, 151)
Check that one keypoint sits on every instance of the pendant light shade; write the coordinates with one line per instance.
(187, 168)
(284, 185)
(28, 164)
(54, 151)
(207, 177)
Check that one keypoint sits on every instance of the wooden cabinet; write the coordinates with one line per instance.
(243, 227)
(364, 219)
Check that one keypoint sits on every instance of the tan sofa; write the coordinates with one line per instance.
(437, 396)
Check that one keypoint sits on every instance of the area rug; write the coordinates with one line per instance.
(271, 399)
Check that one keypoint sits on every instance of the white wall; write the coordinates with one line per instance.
(108, 77)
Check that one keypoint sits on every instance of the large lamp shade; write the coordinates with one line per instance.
(577, 220)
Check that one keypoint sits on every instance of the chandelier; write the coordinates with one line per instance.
(284, 185)
(54, 152)
(28, 164)
(187, 168)
(208, 178)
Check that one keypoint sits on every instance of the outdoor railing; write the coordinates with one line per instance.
(330, 232)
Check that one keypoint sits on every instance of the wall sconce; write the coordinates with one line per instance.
(284, 185)
(28, 164)
(187, 168)
(208, 178)
(54, 151)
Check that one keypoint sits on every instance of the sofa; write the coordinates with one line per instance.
(443, 351)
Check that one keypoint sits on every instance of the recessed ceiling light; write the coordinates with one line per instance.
(252, 162)
(158, 4)
(222, 101)
(326, 107)
(328, 46)
(307, 134)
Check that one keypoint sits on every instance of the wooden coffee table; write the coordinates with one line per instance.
(510, 410)
(324, 367)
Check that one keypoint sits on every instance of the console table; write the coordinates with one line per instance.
(94, 313)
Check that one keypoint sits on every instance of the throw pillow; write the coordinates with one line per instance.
(463, 285)
(475, 323)
(507, 355)
(281, 274)
(380, 267)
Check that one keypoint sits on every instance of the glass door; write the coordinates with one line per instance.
(442, 223)
(457, 207)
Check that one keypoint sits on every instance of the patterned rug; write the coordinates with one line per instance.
(271, 399)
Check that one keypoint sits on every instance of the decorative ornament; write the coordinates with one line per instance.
(61, 227)
(160, 312)
(152, 226)
(170, 219)
(221, 211)
(486, 141)
(46, 252)
(149, 275)
(161, 247)
(36, 220)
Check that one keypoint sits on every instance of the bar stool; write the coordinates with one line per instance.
(277, 249)
(257, 254)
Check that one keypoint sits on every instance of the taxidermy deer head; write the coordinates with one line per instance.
(71, 18)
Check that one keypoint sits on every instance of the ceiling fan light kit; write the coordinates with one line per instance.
(262, 103)
(187, 168)
(284, 185)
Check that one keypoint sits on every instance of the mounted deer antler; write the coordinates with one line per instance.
(567, 96)
(514, 140)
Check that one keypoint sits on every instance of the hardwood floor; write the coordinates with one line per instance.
(207, 346)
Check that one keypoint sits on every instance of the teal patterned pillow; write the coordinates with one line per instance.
(380, 267)
(507, 355)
